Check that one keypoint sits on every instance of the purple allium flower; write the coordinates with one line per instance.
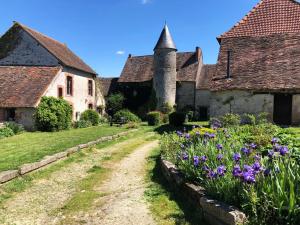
(271, 154)
(221, 170)
(275, 141)
(220, 157)
(219, 146)
(211, 174)
(179, 133)
(284, 150)
(267, 172)
(185, 156)
(253, 146)
(203, 158)
(196, 160)
(245, 150)
(236, 172)
(237, 157)
(248, 177)
(256, 167)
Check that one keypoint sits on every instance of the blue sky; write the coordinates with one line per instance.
(104, 32)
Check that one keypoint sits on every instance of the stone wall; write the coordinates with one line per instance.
(185, 94)
(240, 102)
(2, 115)
(296, 110)
(28, 52)
(24, 116)
(164, 80)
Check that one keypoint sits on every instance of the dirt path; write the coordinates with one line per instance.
(36, 204)
(124, 203)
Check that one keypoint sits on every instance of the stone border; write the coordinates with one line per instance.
(6, 176)
(214, 212)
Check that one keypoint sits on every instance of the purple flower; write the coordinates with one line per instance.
(193, 127)
(245, 150)
(179, 133)
(248, 177)
(211, 174)
(221, 170)
(253, 146)
(284, 150)
(247, 168)
(187, 136)
(205, 168)
(237, 157)
(257, 157)
(267, 172)
(212, 136)
(236, 172)
(185, 156)
(276, 147)
(219, 147)
(275, 141)
(271, 154)
(256, 167)
(198, 133)
(203, 158)
(220, 157)
(196, 160)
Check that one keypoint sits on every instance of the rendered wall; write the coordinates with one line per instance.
(185, 94)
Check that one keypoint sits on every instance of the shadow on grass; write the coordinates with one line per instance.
(187, 213)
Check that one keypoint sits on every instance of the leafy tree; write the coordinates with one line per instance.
(115, 103)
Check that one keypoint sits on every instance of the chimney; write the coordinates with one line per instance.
(129, 56)
(198, 53)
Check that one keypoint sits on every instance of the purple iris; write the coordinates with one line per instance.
(185, 156)
(219, 147)
(193, 127)
(237, 157)
(245, 150)
(275, 141)
(248, 177)
(205, 168)
(196, 160)
(236, 172)
(276, 147)
(220, 157)
(206, 135)
(179, 133)
(187, 136)
(204, 158)
(256, 167)
(257, 157)
(198, 133)
(267, 172)
(247, 168)
(211, 174)
(253, 146)
(284, 150)
(221, 170)
(212, 136)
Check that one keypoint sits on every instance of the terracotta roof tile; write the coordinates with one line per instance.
(24, 86)
(206, 75)
(140, 68)
(59, 50)
(266, 18)
(108, 85)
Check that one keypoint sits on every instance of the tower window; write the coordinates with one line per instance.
(69, 85)
(90, 87)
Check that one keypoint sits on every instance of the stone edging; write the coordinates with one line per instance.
(6, 176)
(214, 212)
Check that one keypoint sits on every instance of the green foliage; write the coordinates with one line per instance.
(126, 116)
(16, 128)
(167, 108)
(177, 119)
(53, 114)
(6, 132)
(190, 116)
(248, 119)
(82, 124)
(165, 118)
(115, 103)
(230, 119)
(262, 118)
(92, 116)
(153, 118)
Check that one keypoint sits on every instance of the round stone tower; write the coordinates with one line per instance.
(164, 79)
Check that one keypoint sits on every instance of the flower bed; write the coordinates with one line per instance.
(262, 177)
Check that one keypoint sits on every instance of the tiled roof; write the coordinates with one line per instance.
(140, 68)
(59, 50)
(206, 75)
(108, 85)
(266, 18)
(24, 86)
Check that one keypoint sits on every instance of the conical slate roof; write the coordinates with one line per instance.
(165, 40)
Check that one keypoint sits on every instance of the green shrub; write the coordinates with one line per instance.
(153, 118)
(127, 116)
(92, 116)
(177, 118)
(53, 114)
(82, 124)
(167, 108)
(248, 119)
(103, 119)
(114, 103)
(165, 118)
(262, 118)
(190, 116)
(16, 128)
(230, 119)
(6, 132)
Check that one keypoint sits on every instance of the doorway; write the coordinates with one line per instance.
(283, 109)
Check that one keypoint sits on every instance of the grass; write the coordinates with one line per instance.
(175, 211)
(32, 146)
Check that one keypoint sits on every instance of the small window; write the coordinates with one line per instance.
(90, 87)
(69, 85)
(60, 92)
(91, 106)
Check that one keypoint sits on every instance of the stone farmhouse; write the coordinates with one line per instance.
(258, 69)
(33, 65)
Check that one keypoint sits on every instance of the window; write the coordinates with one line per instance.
(60, 92)
(91, 106)
(69, 85)
(90, 87)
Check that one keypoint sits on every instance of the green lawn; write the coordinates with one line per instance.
(33, 146)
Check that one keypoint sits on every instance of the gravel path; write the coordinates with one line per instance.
(124, 205)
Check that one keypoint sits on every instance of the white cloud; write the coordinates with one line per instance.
(120, 52)
(144, 2)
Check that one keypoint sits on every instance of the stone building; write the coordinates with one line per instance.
(33, 65)
(258, 68)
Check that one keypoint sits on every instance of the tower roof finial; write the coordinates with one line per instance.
(165, 40)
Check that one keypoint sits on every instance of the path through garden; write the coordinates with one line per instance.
(117, 199)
